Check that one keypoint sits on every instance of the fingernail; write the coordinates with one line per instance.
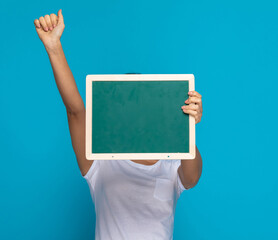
(189, 92)
(51, 28)
(46, 29)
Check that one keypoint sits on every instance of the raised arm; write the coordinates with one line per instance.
(50, 29)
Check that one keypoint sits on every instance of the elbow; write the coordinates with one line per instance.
(76, 111)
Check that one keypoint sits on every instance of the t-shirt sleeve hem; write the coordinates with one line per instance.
(180, 185)
(91, 170)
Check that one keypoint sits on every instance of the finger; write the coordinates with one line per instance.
(191, 107)
(60, 17)
(54, 19)
(37, 23)
(48, 22)
(43, 24)
(196, 100)
(194, 94)
(190, 112)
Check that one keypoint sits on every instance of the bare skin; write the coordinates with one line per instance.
(49, 29)
(145, 162)
(65, 82)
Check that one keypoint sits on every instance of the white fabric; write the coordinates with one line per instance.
(134, 201)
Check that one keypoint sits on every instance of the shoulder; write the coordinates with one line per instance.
(172, 162)
(171, 165)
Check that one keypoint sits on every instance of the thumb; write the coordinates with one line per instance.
(60, 17)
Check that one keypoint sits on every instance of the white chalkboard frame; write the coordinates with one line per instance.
(136, 156)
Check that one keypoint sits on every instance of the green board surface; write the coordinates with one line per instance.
(139, 117)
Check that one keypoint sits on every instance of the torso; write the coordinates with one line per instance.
(134, 193)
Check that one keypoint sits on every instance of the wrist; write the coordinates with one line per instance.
(54, 48)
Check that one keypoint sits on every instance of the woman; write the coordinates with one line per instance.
(134, 199)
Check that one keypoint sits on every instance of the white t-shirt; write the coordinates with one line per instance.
(134, 201)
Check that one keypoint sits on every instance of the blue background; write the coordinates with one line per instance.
(231, 48)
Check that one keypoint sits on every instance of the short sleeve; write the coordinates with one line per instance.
(92, 171)
(179, 186)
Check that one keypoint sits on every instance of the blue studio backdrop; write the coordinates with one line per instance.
(231, 48)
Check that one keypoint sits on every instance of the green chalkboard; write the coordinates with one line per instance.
(139, 117)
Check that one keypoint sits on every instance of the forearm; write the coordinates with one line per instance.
(64, 79)
(191, 170)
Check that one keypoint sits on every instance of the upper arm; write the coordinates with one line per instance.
(76, 122)
(181, 177)
(191, 170)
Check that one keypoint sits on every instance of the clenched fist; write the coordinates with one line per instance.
(50, 28)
